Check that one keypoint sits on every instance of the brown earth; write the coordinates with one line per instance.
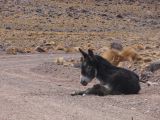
(33, 87)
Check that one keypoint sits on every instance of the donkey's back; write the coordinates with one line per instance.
(119, 80)
(124, 81)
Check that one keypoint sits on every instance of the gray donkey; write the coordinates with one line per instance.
(113, 80)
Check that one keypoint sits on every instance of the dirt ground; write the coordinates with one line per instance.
(33, 87)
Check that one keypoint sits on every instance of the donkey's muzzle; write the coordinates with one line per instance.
(84, 83)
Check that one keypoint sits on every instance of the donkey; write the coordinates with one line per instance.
(113, 80)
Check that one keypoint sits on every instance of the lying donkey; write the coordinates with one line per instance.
(113, 80)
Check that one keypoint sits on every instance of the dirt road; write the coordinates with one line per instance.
(27, 95)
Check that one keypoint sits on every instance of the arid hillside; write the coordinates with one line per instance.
(29, 22)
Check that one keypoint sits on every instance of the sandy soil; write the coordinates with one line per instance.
(33, 87)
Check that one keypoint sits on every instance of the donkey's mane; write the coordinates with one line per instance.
(103, 61)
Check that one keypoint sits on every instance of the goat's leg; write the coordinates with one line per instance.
(95, 90)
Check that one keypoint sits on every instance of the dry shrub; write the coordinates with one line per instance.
(113, 56)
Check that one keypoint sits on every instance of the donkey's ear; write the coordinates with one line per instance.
(85, 55)
(91, 54)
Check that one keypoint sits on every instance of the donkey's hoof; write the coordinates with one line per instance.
(77, 93)
(73, 94)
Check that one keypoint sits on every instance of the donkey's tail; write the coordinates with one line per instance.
(144, 79)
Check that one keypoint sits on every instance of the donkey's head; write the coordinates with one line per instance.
(88, 67)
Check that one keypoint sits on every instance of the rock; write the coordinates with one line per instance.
(154, 66)
(39, 49)
(116, 45)
(28, 50)
(2, 47)
(148, 47)
(14, 50)
(72, 49)
(8, 28)
(60, 47)
(147, 60)
(77, 65)
(67, 64)
(52, 43)
(59, 61)
(119, 16)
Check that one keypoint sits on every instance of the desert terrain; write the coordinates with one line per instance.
(35, 33)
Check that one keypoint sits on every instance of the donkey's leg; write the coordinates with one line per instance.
(78, 93)
(101, 90)
(87, 91)
(95, 90)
